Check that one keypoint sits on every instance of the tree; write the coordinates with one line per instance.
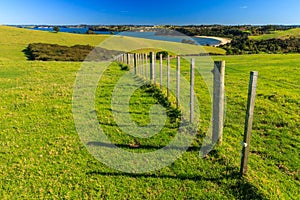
(56, 29)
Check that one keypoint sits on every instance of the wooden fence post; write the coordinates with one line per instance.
(161, 69)
(152, 67)
(146, 66)
(143, 62)
(127, 58)
(248, 122)
(168, 76)
(134, 63)
(178, 82)
(192, 82)
(138, 64)
(123, 58)
(218, 101)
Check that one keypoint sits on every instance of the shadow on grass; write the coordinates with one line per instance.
(223, 174)
(240, 188)
(141, 146)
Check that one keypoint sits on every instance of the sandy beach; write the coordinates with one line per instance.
(222, 40)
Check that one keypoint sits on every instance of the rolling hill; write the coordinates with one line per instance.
(42, 156)
(279, 35)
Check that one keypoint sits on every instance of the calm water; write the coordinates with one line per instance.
(147, 35)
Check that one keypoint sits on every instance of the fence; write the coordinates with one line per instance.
(148, 73)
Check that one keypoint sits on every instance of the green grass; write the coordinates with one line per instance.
(41, 155)
(279, 34)
(14, 40)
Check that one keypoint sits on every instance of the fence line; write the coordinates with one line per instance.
(142, 69)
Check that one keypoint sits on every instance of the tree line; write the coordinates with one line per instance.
(244, 45)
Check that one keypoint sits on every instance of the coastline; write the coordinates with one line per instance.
(222, 40)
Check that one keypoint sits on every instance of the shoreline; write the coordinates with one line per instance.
(222, 40)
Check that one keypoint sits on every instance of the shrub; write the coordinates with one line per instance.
(164, 54)
(79, 53)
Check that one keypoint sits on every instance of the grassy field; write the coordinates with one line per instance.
(278, 34)
(41, 154)
(14, 40)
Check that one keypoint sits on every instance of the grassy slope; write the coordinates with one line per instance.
(14, 40)
(41, 154)
(274, 163)
(278, 34)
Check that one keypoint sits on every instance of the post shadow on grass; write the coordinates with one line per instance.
(172, 112)
(144, 147)
(240, 189)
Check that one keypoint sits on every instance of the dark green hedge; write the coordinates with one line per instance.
(78, 53)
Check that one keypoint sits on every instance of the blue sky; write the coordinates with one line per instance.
(149, 12)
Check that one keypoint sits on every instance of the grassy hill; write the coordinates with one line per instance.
(14, 40)
(279, 34)
(41, 154)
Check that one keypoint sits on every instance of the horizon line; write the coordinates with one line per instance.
(213, 24)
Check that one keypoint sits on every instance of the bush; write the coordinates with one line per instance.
(164, 54)
(124, 67)
(79, 53)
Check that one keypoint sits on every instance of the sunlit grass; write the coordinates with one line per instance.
(41, 155)
(279, 34)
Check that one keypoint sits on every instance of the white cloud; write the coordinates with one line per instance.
(244, 7)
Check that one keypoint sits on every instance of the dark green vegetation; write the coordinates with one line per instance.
(194, 30)
(41, 155)
(244, 45)
(55, 52)
(251, 39)
(229, 31)
(56, 29)
(243, 41)
(163, 53)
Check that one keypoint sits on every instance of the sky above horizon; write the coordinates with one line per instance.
(60, 12)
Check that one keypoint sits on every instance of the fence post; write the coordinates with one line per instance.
(248, 122)
(134, 63)
(146, 66)
(192, 82)
(154, 68)
(218, 101)
(138, 64)
(151, 67)
(143, 61)
(161, 69)
(178, 82)
(168, 76)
